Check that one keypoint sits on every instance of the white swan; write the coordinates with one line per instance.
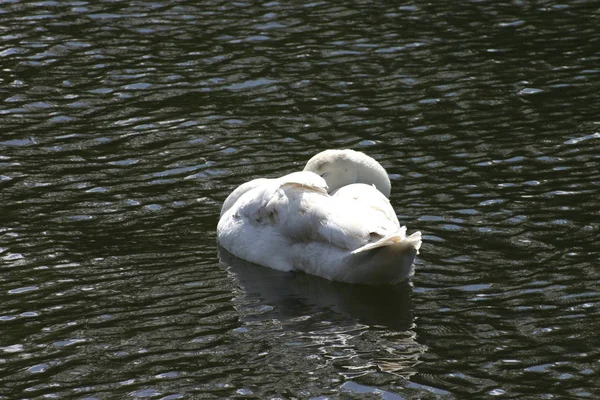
(331, 220)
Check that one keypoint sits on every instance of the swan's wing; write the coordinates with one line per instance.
(240, 191)
(357, 215)
(369, 196)
(352, 223)
(298, 207)
(269, 202)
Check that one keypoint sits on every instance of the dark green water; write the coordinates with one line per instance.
(125, 124)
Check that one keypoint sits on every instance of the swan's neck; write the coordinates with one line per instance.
(372, 173)
(344, 167)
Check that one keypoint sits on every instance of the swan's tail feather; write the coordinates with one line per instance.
(386, 261)
(397, 239)
(415, 240)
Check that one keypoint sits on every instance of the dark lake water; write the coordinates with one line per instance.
(125, 124)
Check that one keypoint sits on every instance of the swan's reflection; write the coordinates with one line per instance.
(288, 293)
(386, 344)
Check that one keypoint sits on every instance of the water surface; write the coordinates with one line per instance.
(124, 125)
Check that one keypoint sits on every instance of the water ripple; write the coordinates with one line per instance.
(126, 124)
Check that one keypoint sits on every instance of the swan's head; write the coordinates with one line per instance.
(344, 167)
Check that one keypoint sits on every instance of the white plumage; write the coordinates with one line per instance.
(293, 223)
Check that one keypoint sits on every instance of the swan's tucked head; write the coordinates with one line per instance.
(344, 167)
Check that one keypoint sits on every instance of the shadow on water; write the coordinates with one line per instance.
(292, 294)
